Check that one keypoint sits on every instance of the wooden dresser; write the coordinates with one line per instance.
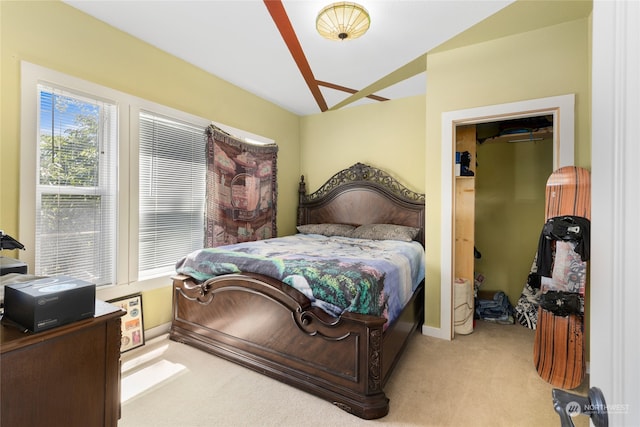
(67, 376)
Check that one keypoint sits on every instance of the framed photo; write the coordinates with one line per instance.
(132, 322)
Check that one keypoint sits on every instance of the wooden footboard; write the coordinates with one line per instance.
(270, 327)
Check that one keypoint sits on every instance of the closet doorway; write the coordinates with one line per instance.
(514, 158)
(560, 108)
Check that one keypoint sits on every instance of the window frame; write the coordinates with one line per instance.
(107, 178)
(127, 214)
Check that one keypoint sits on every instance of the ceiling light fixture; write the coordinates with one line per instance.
(343, 21)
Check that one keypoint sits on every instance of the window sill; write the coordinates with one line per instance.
(111, 292)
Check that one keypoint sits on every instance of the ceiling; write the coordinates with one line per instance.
(271, 48)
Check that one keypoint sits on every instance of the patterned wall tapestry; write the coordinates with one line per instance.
(241, 190)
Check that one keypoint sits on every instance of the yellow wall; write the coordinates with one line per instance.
(156, 307)
(509, 200)
(542, 63)
(57, 36)
(389, 135)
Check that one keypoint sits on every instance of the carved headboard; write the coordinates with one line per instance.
(361, 195)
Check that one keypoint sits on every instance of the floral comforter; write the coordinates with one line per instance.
(337, 274)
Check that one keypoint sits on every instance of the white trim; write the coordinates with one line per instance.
(248, 137)
(109, 292)
(562, 109)
(157, 331)
(441, 333)
(615, 236)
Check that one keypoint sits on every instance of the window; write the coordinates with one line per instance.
(76, 186)
(171, 191)
(112, 187)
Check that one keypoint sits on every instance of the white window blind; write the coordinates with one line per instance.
(171, 192)
(76, 186)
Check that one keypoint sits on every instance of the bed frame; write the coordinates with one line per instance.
(270, 327)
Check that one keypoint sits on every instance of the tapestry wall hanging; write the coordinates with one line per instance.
(241, 190)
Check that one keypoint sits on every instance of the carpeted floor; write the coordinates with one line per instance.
(486, 378)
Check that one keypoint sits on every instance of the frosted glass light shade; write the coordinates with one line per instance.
(343, 21)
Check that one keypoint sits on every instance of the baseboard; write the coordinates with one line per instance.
(430, 331)
(152, 333)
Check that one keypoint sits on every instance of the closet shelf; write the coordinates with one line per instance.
(530, 136)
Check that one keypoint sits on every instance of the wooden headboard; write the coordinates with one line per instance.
(361, 195)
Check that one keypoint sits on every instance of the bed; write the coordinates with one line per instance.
(273, 328)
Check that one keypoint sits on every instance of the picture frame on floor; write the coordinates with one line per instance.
(132, 322)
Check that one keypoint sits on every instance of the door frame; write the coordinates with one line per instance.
(615, 232)
(560, 107)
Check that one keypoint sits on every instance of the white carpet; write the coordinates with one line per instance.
(483, 379)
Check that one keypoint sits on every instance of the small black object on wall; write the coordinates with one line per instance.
(10, 265)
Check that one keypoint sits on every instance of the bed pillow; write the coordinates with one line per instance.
(326, 229)
(385, 232)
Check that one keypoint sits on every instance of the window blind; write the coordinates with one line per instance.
(76, 190)
(171, 192)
